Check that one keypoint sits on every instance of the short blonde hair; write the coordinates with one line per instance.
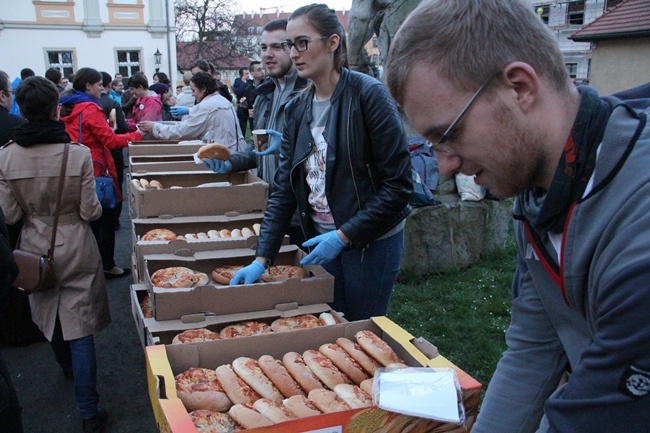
(469, 41)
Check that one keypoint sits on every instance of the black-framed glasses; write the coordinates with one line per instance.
(440, 146)
(300, 44)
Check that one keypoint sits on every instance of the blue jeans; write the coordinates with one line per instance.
(79, 355)
(364, 280)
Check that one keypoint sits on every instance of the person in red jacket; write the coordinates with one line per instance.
(86, 123)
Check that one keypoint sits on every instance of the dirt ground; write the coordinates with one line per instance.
(47, 397)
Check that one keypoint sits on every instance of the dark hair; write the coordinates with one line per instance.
(252, 65)
(115, 82)
(37, 98)
(85, 76)
(205, 81)
(203, 65)
(324, 21)
(138, 80)
(106, 78)
(241, 71)
(4, 80)
(54, 75)
(274, 25)
(26, 72)
(162, 78)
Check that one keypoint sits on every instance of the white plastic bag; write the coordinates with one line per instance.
(468, 189)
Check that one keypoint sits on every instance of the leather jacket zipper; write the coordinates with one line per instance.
(296, 165)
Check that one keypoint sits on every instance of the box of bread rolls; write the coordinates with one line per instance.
(187, 283)
(260, 383)
(164, 147)
(207, 327)
(144, 164)
(192, 193)
(202, 233)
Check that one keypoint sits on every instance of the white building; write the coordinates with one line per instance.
(107, 35)
(565, 17)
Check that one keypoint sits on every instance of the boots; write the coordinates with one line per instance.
(96, 423)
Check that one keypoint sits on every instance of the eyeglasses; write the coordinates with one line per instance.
(440, 146)
(300, 44)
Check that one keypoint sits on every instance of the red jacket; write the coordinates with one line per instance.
(146, 108)
(98, 136)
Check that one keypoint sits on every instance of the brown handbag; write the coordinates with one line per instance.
(36, 271)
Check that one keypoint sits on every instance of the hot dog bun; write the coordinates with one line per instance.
(327, 401)
(249, 370)
(324, 369)
(214, 151)
(377, 348)
(297, 368)
(246, 415)
(235, 388)
(344, 362)
(300, 406)
(355, 351)
(273, 410)
(275, 371)
(353, 396)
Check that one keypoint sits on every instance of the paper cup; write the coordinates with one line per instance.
(260, 140)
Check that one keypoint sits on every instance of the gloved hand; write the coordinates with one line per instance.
(249, 274)
(328, 246)
(218, 165)
(179, 111)
(275, 140)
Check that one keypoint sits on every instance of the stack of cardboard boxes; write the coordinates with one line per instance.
(208, 201)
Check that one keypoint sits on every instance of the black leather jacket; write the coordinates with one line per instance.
(368, 177)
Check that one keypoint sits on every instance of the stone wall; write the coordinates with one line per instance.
(454, 234)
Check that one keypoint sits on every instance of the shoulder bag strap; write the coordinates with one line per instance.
(64, 164)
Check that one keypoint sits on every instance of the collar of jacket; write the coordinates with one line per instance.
(292, 80)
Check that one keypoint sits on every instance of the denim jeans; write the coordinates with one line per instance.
(364, 279)
(79, 354)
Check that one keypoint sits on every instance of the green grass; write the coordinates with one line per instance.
(463, 313)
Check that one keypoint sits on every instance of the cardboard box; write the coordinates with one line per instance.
(246, 194)
(164, 362)
(137, 148)
(316, 287)
(183, 225)
(145, 164)
(152, 331)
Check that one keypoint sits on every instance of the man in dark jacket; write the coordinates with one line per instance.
(272, 95)
(8, 121)
(10, 418)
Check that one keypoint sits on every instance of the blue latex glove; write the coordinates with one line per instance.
(218, 165)
(328, 246)
(179, 111)
(249, 274)
(275, 140)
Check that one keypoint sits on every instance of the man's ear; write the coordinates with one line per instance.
(524, 81)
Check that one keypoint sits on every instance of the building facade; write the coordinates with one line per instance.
(107, 35)
(567, 17)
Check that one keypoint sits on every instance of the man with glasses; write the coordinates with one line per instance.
(8, 121)
(272, 95)
(500, 106)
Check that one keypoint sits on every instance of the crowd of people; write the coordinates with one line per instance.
(499, 106)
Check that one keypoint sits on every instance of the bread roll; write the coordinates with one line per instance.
(355, 351)
(324, 369)
(300, 406)
(344, 362)
(249, 370)
(214, 151)
(256, 228)
(353, 396)
(236, 233)
(327, 401)
(297, 368)
(190, 236)
(366, 385)
(273, 410)
(155, 184)
(224, 233)
(202, 235)
(213, 234)
(136, 183)
(377, 348)
(237, 390)
(144, 183)
(327, 319)
(248, 417)
(247, 233)
(275, 371)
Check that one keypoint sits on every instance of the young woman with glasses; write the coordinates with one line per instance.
(344, 164)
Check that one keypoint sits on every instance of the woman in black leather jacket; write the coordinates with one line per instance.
(344, 163)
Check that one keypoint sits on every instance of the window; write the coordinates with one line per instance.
(543, 12)
(128, 62)
(576, 13)
(609, 4)
(572, 69)
(61, 60)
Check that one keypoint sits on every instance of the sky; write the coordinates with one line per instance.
(289, 5)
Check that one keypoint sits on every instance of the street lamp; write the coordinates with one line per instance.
(158, 59)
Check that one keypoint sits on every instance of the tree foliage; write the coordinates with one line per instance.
(203, 22)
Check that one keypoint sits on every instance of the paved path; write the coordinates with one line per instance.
(47, 397)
